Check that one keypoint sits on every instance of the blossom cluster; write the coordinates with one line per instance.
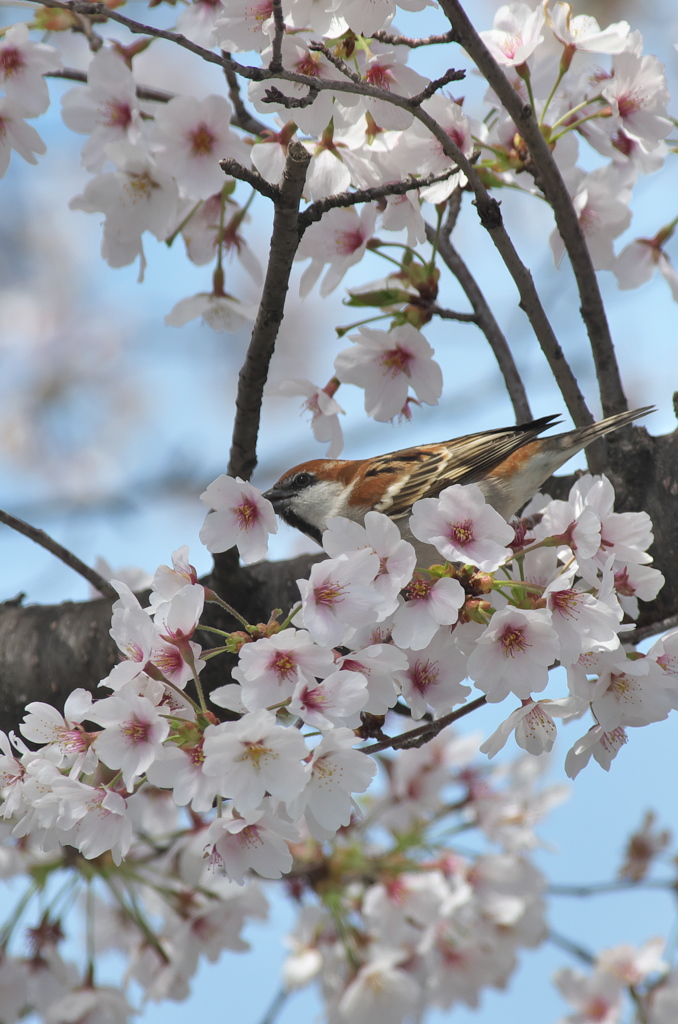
(379, 623)
(365, 116)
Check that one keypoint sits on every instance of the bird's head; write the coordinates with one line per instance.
(307, 495)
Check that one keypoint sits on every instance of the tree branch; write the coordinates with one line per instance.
(316, 210)
(236, 170)
(394, 40)
(254, 372)
(592, 310)
(485, 320)
(66, 556)
(417, 737)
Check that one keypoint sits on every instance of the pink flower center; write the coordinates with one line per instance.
(247, 514)
(309, 65)
(622, 142)
(622, 584)
(133, 651)
(598, 1008)
(283, 664)
(168, 660)
(381, 76)
(628, 104)
(195, 754)
(513, 641)
(423, 675)
(396, 360)
(314, 699)
(461, 533)
(419, 589)
(116, 115)
(11, 61)
(510, 44)
(202, 140)
(136, 731)
(329, 593)
(348, 242)
(262, 11)
(457, 136)
(566, 602)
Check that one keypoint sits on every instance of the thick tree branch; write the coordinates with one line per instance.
(554, 188)
(66, 556)
(254, 371)
(232, 168)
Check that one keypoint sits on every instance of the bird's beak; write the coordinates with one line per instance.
(276, 495)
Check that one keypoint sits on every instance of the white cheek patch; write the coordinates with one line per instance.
(320, 502)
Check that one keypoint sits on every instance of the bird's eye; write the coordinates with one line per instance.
(303, 480)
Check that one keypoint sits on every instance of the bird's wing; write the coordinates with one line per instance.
(424, 473)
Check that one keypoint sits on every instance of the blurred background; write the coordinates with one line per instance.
(112, 424)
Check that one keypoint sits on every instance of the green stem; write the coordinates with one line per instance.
(561, 74)
(169, 241)
(288, 620)
(575, 110)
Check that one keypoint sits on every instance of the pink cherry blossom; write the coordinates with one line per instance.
(254, 841)
(430, 604)
(462, 527)
(23, 64)
(602, 746)
(336, 771)
(269, 668)
(396, 556)
(515, 35)
(16, 135)
(245, 25)
(191, 137)
(240, 516)
(514, 653)
(253, 756)
(106, 109)
(433, 677)
(133, 733)
(337, 596)
(324, 409)
(535, 730)
(335, 700)
(340, 240)
(582, 32)
(387, 364)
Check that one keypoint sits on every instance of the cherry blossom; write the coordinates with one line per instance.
(190, 137)
(256, 841)
(132, 736)
(16, 135)
(430, 604)
(515, 35)
(337, 596)
(638, 261)
(396, 556)
(137, 197)
(535, 730)
(253, 756)
(269, 668)
(339, 240)
(462, 527)
(106, 108)
(336, 771)
(386, 364)
(324, 409)
(240, 516)
(601, 200)
(514, 654)
(197, 21)
(23, 64)
(335, 700)
(246, 25)
(582, 32)
(433, 677)
(602, 746)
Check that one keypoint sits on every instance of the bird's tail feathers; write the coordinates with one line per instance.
(595, 430)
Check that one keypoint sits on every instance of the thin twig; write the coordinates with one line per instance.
(143, 92)
(612, 394)
(393, 40)
(617, 885)
(417, 737)
(241, 115)
(487, 324)
(279, 23)
(236, 170)
(451, 314)
(275, 95)
(66, 556)
(254, 371)
(316, 210)
(571, 947)
(450, 76)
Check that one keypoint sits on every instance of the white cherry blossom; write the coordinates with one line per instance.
(339, 240)
(514, 654)
(133, 733)
(430, 604)
(387, 364)
(254, 841)
(240, 516)
(433, 677)
(324, 409)
(16, 135)
(337, 596)
(23, 64)
(462, 527)
(516, 33)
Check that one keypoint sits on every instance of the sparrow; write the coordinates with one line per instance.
(509, 465)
